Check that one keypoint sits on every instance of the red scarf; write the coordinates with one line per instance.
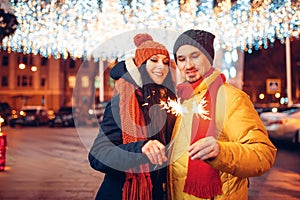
(138, 181)
(202, 180)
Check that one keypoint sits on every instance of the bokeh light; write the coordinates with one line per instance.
(63, 28)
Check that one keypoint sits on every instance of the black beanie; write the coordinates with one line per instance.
(200, 39)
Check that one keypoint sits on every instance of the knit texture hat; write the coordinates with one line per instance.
(200, 39)
(146, 48)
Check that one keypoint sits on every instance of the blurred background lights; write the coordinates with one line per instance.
(234, 55)
(284, 100)
(33, 68)
(261, 96)
(22, 66)
(226, 73)
(232, 72)
(227, 57)
(63, 28)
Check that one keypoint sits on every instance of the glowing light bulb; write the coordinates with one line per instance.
(22, 66)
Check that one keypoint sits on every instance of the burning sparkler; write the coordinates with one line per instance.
(176, 108)
(172, 106)
(200, 109)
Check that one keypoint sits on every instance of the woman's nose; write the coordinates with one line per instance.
(160, 64)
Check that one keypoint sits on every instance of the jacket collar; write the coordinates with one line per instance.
(207, 81)
(133, 71)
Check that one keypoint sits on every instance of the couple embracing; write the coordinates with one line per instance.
(201, 140)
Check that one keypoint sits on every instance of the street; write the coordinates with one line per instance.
(282, 182)
(47, 163)
(51, 163)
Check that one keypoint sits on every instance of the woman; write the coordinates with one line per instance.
(131, 146)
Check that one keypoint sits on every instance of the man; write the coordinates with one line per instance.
(219, 139)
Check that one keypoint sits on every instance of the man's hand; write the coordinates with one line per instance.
(155, 151)
(205, 148)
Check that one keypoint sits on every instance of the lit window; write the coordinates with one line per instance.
(72, 81)
(97, 82)
(85, 81)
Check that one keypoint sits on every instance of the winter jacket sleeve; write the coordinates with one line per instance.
(245, 149)
(108, 153)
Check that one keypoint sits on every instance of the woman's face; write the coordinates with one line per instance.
(157, 67)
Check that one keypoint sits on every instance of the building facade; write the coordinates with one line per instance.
(28, 79)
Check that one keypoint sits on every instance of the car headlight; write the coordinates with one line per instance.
(91, 111)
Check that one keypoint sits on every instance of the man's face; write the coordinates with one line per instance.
(192, 63)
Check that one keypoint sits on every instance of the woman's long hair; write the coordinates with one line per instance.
(159, 123)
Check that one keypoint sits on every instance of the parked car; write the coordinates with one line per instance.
(95, 114)
(270, 108)
(89, 115)
(63, 117)
(29, 115)
(99, 111)
(5, 112)
(283, 124)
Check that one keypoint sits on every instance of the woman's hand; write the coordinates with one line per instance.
(155, 151)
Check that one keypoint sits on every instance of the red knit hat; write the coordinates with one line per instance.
(146, 48)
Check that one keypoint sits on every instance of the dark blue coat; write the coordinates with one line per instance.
(109, 155)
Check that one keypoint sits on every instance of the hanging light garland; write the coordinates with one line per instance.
(8, 21)
(8, 24)
(63, 28)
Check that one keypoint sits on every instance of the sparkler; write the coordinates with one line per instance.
(200, 109)
(176, 108)
(172, 106)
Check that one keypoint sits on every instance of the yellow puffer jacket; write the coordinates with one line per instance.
(245, 150)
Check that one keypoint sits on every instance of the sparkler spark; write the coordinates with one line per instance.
(175, 107)
(172, 106)
(200, 109)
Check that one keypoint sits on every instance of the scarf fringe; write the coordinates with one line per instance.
(137, 187)
(205, 183)
(204, 191)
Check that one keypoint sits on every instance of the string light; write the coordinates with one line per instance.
(63, 28)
